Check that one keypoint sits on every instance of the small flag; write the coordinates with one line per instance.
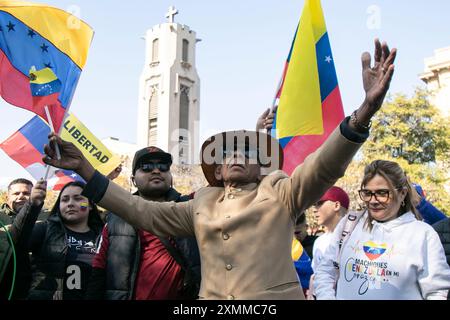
(45, 87)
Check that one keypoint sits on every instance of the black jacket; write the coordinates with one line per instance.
(21, 225)
(49, 247)
(117, 280)
(443, 229)
(308, 244)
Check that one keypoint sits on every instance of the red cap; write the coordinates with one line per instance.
(337, 194)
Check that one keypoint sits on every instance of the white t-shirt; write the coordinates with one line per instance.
(320, 246)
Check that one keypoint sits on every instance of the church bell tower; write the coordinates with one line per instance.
(169, 91)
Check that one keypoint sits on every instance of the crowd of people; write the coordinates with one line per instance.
(244, 236)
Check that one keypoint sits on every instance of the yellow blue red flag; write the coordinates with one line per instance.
(308, 97)
(42, 52)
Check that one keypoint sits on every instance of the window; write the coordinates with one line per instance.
(153, 113)
(155, 50)
(185, 53)
(184, 109)
(152, 132)
(153, 117)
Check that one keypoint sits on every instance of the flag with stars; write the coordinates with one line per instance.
(308, 97)
(46, 39)
(26, 147)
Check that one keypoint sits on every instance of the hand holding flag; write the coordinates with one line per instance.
(38, 193)
(71, 157)
(266, 120)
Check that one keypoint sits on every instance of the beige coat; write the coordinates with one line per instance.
(244, 234)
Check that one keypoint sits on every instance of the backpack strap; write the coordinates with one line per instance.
(351, 220)
(174, 252)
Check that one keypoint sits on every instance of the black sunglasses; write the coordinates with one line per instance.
(149, 167)
(248, 153)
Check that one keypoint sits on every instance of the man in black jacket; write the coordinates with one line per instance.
(16, 223)
(135, 264)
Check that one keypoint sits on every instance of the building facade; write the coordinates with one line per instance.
(437, 77)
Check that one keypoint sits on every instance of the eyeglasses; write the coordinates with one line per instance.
(149, 167)
(381, 195)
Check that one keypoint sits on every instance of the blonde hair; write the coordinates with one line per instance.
(396, 179)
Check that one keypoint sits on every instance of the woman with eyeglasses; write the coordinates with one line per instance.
(388, 253)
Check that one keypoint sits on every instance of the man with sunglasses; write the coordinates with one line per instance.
(135, 264)
(244, 219)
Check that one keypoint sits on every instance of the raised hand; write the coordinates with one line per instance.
(265, 121)
(376, 81)
(38, 193)
(71, 157)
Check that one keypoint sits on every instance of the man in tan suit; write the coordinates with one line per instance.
(244, 220)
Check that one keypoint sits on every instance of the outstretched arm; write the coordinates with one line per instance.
(159, 218)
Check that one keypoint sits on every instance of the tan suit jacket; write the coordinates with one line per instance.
(244, 234)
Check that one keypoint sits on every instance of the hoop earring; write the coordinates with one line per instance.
(403, 203)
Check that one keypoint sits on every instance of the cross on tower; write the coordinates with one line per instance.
(171, 14)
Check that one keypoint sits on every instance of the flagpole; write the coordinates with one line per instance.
(50, 122)
(272, 108)
(47, 172)
(276, 93)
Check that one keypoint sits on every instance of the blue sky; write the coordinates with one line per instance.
(239, 60)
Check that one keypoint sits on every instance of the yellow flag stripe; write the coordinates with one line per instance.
(317, 19)
(300, 99)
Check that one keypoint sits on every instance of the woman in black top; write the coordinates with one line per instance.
(63, 246)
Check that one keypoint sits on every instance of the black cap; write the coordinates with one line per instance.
(150, 153)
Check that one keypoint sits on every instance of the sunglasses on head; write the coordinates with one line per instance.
(149, 167)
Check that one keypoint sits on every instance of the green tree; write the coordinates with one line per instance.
(410, 129)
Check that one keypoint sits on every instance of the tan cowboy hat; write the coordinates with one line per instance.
(269, 151)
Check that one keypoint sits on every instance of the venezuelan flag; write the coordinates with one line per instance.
(50, 40)
(45, 87)
(308, 97)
